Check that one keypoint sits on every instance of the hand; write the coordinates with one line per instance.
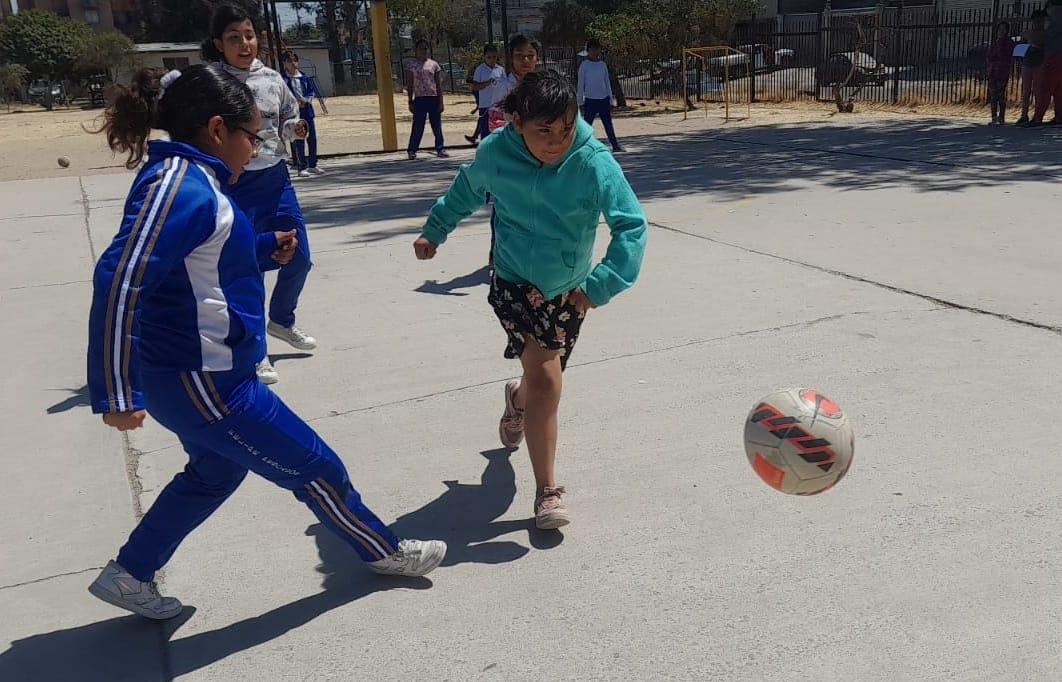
(411, 107)
(302, 131)
(287, 242)
(581, 301)
(424, 249)
(125, 421)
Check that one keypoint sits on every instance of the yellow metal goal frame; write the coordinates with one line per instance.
(704, 54)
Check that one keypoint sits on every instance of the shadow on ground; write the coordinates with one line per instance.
(925, 155)
(132, 648)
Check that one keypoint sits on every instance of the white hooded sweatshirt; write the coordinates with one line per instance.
(279, 110)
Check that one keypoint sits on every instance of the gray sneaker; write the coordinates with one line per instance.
(414, 558)
(550, 512)
(511, 427)
(117, 587)
(292, 335)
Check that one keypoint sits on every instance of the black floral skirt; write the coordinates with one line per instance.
(524, 312)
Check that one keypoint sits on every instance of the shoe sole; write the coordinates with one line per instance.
(104, 595)
(298, 346)
(269, 381)
(552, 522)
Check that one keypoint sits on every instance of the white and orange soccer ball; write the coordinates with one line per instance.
(799, 441)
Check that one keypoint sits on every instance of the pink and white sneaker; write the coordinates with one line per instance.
(550, 512)
(511, 428)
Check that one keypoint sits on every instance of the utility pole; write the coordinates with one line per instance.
(381, 46)
(490, 21)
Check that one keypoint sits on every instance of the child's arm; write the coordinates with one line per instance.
(158, 231)
(626, 219)
(580, 90)
(289, 116)
(466, 195)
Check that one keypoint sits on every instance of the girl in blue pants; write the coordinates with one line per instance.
(264, 191)
(178, 323)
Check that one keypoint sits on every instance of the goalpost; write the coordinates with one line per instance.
(715, 59)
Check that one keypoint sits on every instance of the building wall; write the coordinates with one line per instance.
(97, 13)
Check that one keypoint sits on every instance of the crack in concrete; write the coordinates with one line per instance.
(942, 302)
(678, 346)
(86, 210)
(50, 577)
(52, 284)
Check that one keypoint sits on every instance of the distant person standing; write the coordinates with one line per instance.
(424, 85)
(1032, 62)
(1000, 64)
(1050, 80)
(302, 86)
(595, 91)
(490, 85)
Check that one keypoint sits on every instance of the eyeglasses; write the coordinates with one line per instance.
(256, 140)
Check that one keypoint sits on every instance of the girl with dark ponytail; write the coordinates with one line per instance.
(265, 192)
(178, 324)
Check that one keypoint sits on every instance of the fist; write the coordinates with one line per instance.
(424, 249)
(287, 242)
(302, 130)
(125, 421)
(580, 301)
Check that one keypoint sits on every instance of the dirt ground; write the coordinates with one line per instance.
(32, 140)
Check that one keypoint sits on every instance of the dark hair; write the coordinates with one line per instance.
(518, 40)
(489, 47)
(223, 16)
(1003, 24)
(593, 44)
(420, 43)
(1039, 14)
(201, 92)
(289, 56)
(542, 95)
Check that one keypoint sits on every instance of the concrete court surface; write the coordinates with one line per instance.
(908, 269)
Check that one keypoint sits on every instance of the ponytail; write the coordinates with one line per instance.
(128, 121)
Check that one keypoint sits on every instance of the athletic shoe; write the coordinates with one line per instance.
(1022, 121)
(292, 335)
(316, 171)
(1032, 124)
(443, 154)
(266, 374)
(471, 140)
(511, 427)
(412, 156)
(115, 586)
(305, 174)
(550, 512)
(414, 558)
(618, 150)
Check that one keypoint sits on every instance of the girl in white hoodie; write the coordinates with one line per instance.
(264, 191)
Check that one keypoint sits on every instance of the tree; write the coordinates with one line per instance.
(564, 23)
(111, 52)
(13, 78)
(302, 33)
(660, 28)
(49, 46)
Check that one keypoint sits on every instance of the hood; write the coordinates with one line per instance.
(162, 149)
(242, 74)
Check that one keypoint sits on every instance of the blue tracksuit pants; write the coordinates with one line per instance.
(268, 199)
(229, 423)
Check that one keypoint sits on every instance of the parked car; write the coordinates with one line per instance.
(46, 94)
(835, 70)
(756, 57)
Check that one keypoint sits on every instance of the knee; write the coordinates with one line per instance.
(544, 382)
(213, 486)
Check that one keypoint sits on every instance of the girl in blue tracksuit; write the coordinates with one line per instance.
(178, 323)
(264, 191)
(304, 89)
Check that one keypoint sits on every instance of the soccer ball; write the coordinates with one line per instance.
(799, 441)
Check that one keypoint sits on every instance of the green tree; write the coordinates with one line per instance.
(111, 52)
(564, 22)
(302, 33)
(13, 78)
(49, 46)
(660, 28)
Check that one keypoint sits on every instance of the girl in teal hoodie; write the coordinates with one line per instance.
(551, 182)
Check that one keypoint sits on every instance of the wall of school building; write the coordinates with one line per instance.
(313, 60)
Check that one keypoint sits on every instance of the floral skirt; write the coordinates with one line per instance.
(525, 313)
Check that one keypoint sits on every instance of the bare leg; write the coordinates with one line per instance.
(539, 396)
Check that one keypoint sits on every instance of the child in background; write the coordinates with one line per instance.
(1032, 62)
(490, 85)
(264, 191)
(304, 89)
(178, 323)
(1049, 83)
(424, 85)
(595, 91)
(1000, 64)
(551, 181)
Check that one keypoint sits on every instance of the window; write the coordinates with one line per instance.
(172, 63)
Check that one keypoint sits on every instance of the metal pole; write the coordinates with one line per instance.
(269, 36)
(381, 48)
(490, 21)
(505, 19)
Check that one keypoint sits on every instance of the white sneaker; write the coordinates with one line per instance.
(266, 374)
(413, 558)
(292, 335)
(317, 171)
(305, 174)
(115, 586)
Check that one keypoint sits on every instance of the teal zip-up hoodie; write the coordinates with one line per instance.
(547, 215)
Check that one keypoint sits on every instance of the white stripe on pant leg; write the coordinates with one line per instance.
(204, 395)
(131, 265)
(346, 522)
